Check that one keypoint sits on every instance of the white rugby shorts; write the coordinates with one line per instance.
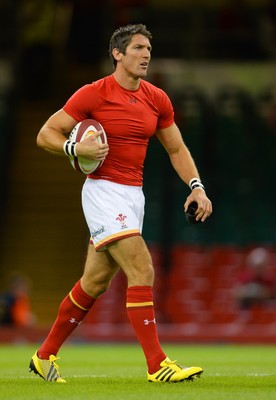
(112, 211)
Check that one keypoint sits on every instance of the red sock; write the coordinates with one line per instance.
(141, 315)
(71, 312)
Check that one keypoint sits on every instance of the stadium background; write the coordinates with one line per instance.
(216, 59)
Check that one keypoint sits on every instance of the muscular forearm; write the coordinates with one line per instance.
(51, 141)
(184, 164)
(55, 131)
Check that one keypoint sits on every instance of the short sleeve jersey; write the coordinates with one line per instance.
(129, 119)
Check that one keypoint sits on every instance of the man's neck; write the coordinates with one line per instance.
(127, 82)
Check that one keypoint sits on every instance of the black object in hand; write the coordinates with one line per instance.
(190, 213)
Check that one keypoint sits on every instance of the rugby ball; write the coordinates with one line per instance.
(80, 132)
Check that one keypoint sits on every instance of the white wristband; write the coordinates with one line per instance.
(69, 148)
(195, 183)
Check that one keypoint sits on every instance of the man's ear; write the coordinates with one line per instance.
(116, 54)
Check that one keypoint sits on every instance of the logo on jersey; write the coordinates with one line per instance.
(132, 100)
(121, 218)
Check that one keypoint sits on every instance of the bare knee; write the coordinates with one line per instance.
(140, 275)
(98, 272)
(94, 287)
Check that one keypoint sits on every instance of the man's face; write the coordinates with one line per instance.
(137, 57)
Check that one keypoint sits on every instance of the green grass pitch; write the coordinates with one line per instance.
(118, 371)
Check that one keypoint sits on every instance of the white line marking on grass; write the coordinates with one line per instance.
(89, 376)
(251, 374)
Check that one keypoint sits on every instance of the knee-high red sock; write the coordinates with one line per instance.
(142, 318)
(71, 312)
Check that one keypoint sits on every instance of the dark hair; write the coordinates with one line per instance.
(122, 37)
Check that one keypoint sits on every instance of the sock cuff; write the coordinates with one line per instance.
(81, 299)
(139, 296)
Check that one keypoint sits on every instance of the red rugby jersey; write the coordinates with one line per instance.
(129, 119)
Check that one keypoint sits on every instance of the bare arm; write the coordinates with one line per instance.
(55, 131)
(184, 165)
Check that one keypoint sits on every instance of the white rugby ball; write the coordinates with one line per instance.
(80, 132)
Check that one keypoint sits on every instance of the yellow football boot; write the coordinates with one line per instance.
(47, 369)
(172, 372)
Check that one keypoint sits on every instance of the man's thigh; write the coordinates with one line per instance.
(133, 257)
